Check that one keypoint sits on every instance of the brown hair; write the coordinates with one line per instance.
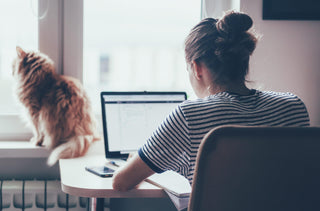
(223, 45)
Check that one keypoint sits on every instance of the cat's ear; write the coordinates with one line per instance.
(20, 52)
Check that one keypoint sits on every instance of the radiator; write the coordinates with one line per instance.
(36, 195)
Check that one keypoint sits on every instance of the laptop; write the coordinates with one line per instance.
(130, 118)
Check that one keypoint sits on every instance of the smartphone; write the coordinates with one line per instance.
(101, 171)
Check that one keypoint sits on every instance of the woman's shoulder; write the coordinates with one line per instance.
(280, 99)
(226, 99)
(287, 96)
(194, 102)
(210, 101)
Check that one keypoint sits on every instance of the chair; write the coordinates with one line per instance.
(257, 168)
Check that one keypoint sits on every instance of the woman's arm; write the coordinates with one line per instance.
(130, 175)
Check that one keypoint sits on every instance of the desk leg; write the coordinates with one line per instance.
(97, 204)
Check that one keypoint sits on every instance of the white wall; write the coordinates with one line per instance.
(287, 57)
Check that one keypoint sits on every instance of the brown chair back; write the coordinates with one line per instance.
(257, 168)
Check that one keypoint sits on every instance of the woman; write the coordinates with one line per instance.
(217, 55)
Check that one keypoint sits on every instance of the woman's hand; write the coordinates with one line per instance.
(131, 174)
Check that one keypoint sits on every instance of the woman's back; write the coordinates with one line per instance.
(184, 128)
(258, 108)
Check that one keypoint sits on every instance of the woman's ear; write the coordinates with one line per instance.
(197, 70)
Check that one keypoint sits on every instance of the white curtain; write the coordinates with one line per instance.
(215, 8)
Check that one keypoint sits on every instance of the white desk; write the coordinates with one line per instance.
(75, 180)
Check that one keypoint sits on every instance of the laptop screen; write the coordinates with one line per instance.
(129, 118)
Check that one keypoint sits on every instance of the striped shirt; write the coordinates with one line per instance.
(174, 145)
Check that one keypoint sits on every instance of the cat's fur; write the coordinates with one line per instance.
(57, 106)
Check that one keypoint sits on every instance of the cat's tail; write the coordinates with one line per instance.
(74, 147)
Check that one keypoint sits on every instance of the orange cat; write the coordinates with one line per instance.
(57, 106)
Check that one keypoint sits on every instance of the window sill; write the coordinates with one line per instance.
(21, 149)
(22, 160)
(26, 149)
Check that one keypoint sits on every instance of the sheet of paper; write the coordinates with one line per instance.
(176, 186)
(171, 182)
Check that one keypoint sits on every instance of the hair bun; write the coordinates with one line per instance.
(233, 23)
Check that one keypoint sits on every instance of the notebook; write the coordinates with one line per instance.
(129, 118)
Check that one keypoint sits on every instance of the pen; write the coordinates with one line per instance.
(114, 163)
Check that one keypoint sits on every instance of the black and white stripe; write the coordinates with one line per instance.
(174, 145)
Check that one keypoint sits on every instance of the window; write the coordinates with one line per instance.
(109, 44)
(136, 45)
(32, 25)
(19, 26)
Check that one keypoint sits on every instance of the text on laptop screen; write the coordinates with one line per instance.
(131, 119)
